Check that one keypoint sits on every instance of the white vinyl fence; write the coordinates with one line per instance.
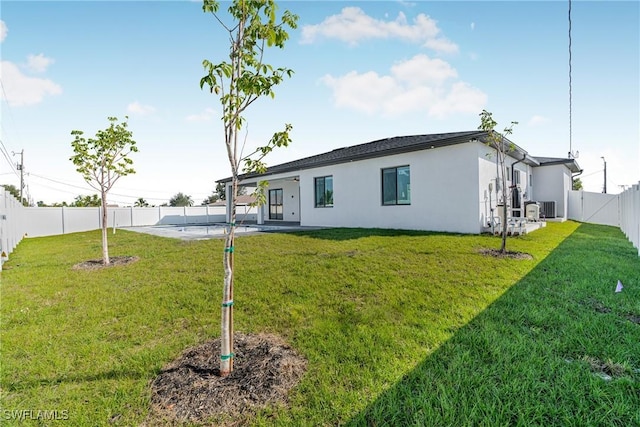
(619, 210)
(17, 222)
(630, 214)
(12, 224)
(63, 220)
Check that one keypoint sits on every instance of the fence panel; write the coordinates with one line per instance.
(596, 208)
(12, 224)
(630, 214)
(49, 221)
(619, 210)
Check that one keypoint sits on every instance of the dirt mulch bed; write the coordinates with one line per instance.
(190, 389)
(508, 254)
(96, 264)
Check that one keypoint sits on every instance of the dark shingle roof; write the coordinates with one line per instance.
(379, 148)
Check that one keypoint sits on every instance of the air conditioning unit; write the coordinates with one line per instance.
(548, 209)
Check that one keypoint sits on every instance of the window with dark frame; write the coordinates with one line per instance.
(276, 210)
(396, 186)
(323, 192)
(516, 177)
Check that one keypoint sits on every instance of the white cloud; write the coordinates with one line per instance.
(462, 98)
(537, 120)
(417, 84)
(421, 70)
(23, 90)
(3, 31)
(205, 116)
(38, 63)
(353, 25)
(137, 108)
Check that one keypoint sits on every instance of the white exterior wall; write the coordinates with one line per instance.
(444, 192)
(552, 183)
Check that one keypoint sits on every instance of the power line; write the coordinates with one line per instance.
(90, 189)
(5, 153)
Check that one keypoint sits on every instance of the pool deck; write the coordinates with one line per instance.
(216, 231)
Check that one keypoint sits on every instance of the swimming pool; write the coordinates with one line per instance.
(209, 231)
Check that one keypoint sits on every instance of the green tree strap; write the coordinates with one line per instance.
(227, 303)
(229, 249)
(226, 356)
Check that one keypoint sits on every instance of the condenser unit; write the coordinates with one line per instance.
(548, 209)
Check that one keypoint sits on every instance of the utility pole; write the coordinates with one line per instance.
(604, 189)
(20, 167)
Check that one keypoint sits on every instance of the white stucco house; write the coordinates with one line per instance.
(437, 182)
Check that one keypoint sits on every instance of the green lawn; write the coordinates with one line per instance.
(399, 328)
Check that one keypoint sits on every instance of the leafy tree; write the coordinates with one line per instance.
(502, 146)
(86, 201)
(13, 190)
(102, 161)
(211, 199)
(181, 199)
(239, 83)
(220, 194)
(221, 191)
(577, 184)
(141, 203)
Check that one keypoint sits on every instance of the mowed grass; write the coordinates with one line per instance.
(399, 328)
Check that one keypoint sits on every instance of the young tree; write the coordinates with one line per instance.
(500, 143)
(181, 199)
(102, 161)
(239, 83)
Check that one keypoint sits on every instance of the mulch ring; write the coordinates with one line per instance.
(96, 264)
(508, 254)
(190, 388)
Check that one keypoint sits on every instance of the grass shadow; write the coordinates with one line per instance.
(537, 355)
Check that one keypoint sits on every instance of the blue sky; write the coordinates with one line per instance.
(364, 70)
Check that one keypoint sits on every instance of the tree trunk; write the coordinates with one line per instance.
(226, 338)
(105, 246)
(503, 246)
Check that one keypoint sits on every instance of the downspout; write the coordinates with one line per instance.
(581, 194)
(513, 175)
